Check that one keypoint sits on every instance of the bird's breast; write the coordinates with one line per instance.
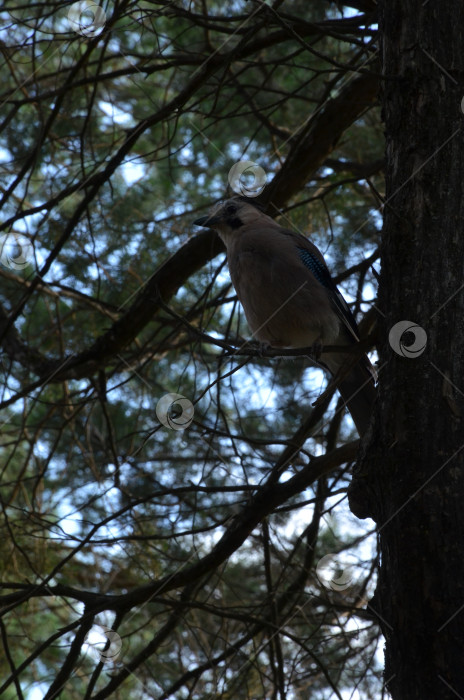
(284, 304)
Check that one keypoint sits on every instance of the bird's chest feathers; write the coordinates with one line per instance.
(283, 303)
(252, 268)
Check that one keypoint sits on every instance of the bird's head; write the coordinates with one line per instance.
(229, 216)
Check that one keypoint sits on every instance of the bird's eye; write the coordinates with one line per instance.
(231, 209)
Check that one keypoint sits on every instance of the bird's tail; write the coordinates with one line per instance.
(356, 385)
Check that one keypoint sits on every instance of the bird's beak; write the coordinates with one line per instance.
(206, 221)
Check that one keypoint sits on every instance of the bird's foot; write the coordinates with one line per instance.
(316, 349)
(263, 348)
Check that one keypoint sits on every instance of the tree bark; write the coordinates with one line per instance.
(410, 478)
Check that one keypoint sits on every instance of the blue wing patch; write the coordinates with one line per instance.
(322, 275)
(318, 269)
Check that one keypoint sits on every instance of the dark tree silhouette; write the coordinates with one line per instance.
(174, 511)
(411, 478)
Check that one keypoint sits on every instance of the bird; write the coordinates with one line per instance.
(290, 299)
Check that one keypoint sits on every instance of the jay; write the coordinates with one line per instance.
(290, 299)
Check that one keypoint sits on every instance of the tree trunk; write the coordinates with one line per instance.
(410, 478)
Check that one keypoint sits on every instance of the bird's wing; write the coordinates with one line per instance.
(311, 257)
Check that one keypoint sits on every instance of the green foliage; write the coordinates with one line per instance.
(99, 498)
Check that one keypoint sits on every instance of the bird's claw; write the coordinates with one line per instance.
(316, 349)
(263, 348)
